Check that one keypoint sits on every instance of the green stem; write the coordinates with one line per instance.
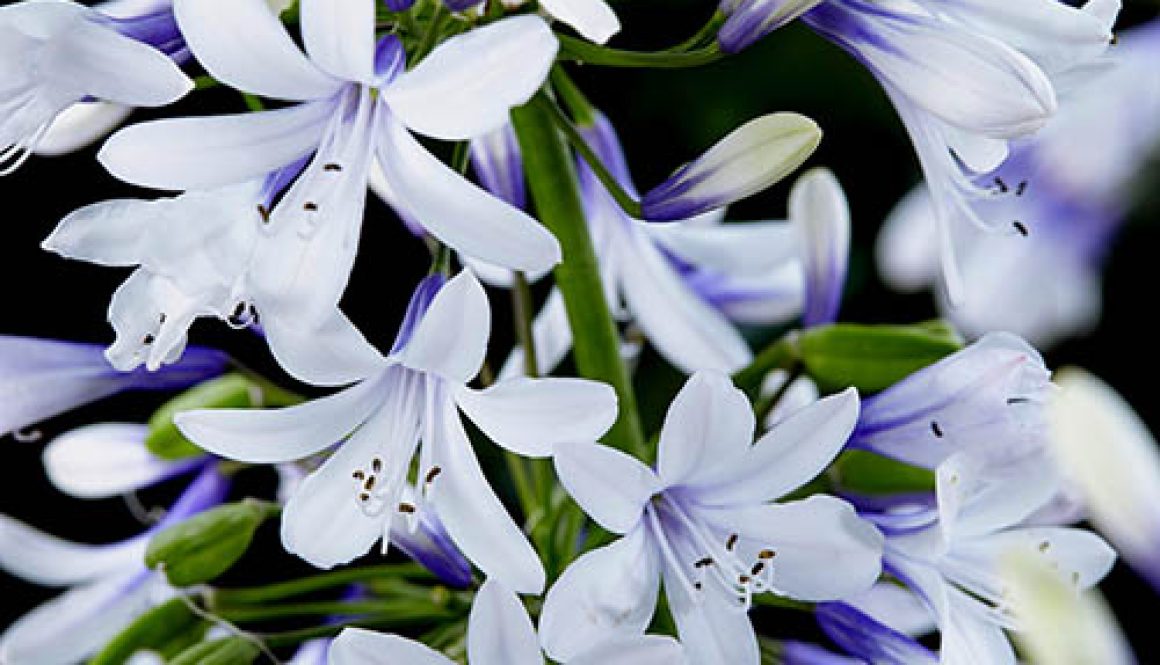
(772, 600)
(765, 405)
(578, 50)
(782, 354)
(596, 347)
(294, 637)
(629, 205)
(290, 588)
(326, 608)
(706, 33)
(434, 28)
(582, 109)
(522, 311)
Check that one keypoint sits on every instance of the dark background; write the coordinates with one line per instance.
(665, 118)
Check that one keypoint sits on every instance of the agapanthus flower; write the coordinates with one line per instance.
(58, 53)
(107, 585)
(499, 632)
(42, 378)
(704, 520)
(1069, 187)
(952, 556)
(356, 103)
(409, 398)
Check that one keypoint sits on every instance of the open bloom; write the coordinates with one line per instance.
(58, 53)
(355, 104)
(1069, 187)
(704, 522)
(499, 632)
(108, 585)
(413, 395)
(965, 76)
(953, 558)
(42, 378)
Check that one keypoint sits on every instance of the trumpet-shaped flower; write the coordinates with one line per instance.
(1068, 187)
(108, 585)
(704, 522)
(41, 378)
(965, 76)
(57, 53)
(412, 396)
(355, 103)
(954, 561)
(499, 632)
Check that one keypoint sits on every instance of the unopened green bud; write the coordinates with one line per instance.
(226, 651)
(872, 358)
(229, 391)
(167, 630)
(209, 543)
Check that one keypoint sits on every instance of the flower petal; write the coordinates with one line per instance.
(243, 44)
(738, 249)
(710, 422)
(44, 559)
(340, 37)
(468, 85)
(264, 436)
(201, 153)
(459, 213)
(530, 416)
(818, 209)
(609, 485)
(79, 126)
(358, 646)
(593, 19)
(645, 650)
(499, 631)
(790, 455)
(450, 340)
(332, 354)
(606, 594)
(105, 460)
(712, 629)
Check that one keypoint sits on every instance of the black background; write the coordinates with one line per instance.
(664, 118)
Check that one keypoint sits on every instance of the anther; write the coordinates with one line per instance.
(757, 568)
(766, 554)
(264, 212)
(698, 586)
(376, 465)
(934, 427)
(1021, 228)
(364, 497)
(148, 339)
(1044, 546)
(707, 561)
(1002, 185)
(358, 475)
(310, 206)
(406, 508)
(370, 483)
(432, 475)
(161, 319)
(744, 579)
(1021, 188)
(732, 542)
(332, 166)
(1012, 401)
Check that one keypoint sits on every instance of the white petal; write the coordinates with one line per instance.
(264, 436)
(646, 650)
(971, 636)
(530, 416)
(89, 616)
(109, 233)
(1078, 557)
(710, 422)
(606, 594)
(824, 551)
(741, 248)
(788, 456)
(818, 208)
(499, 631)
(895, 606)
(451, 339)
(907, 247)
(340, 36)
(105, 460)
(332, 354)
(201, 153)
(44, 559)
(243, 44)
(79, 126)
(552, 335)
(459, 213)
(689, 332)
(609, 485)
(473, 515)
(358, 646)
(593, 19)
(977, 496)
(469, 83)
(713, 630)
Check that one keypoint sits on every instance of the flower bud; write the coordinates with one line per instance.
(166, 629)
(818, 208)
(750, 20)
(226, 651)
(751, 158)
(872, 358)
(208, 544)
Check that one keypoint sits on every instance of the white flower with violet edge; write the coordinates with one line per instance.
(499, 632)
(414, 395)
(704, 521)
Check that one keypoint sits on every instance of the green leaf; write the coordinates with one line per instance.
(866, 473)
(209, 543)
(872, 358)
(167, 629)
(230, 391)
(226, 651)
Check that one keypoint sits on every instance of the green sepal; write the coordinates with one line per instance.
(864, 472)
(226, 651)
(167, 629)
(209, 543)
(230, 391)
(873, 357)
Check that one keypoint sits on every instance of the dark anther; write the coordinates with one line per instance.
(432, 474)
(1021, 188)
(1044, 546)
(370, 484)
(376, 465)
(732, 542)
(364, 497)
(264, 212)
(744, 579)
(1115, 39)
(406, 508)
(148, 339)
(1001, 184)
(766, 554)
(1021, 228)
(698, 586)
(332, 166)
(161, 319)
(358, 475)
(310, 206)
(934, 427)
(757, 568)
(1017, 400)
(707, 561)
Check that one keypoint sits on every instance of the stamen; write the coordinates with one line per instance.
(332, 166)
(1021, 228)
(148, 339)
(707, 561)
(358, 475)
(1002, 185)
(732, 542)
(264, 213)
(376, 464)
(757, 568)
(1021, 188)
(407, 508)
(432, 475)
(934, 427)
(310, 206)
(1012, 401)
(766, 554)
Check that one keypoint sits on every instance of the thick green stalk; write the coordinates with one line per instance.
(579, 50)
(782, 354)
(596, 345)
(304, 585)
